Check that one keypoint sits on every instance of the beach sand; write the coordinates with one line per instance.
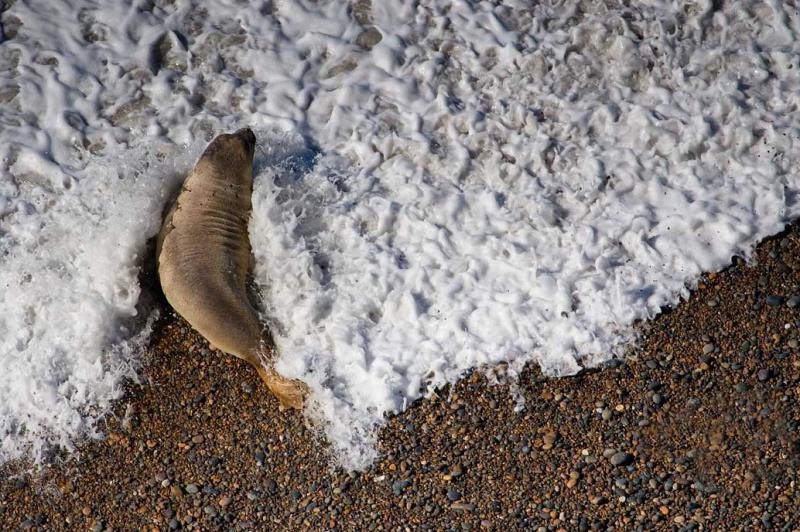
(696, 429)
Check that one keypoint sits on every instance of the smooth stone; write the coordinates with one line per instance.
(399, 486)
(621, 459)
(463, 506)
(774, 301)
(453, 495)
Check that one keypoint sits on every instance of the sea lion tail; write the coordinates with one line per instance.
(291, 393)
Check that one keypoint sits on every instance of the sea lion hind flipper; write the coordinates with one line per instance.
(291, 393)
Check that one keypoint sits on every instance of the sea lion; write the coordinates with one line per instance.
(203, 255)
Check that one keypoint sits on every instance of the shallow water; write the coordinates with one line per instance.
(438, 186)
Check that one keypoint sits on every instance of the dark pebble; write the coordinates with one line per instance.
(621, 459)
(742, 387)
(657, 399)
(764, 375)
(399, 486)
(774, 301)
(453, 495)
(793, 301)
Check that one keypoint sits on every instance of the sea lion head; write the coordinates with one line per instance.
(231, 154)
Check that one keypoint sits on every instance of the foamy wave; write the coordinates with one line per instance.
(439, 185)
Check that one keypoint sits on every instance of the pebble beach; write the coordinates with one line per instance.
(694, 429)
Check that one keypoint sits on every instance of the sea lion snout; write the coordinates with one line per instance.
(247, 136)
(237, 148)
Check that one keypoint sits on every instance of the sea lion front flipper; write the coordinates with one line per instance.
(291, 393)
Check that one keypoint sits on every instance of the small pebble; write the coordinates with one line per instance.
(399, 486)
(657, 399)
(774, 301)
(453, 495)
(191, 489)
(463, 506)
(621, 459)
(764, 375)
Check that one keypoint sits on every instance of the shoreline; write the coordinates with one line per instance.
(696, 429)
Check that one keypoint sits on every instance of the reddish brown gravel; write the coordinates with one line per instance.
(696, 429)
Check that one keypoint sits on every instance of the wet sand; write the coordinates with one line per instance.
(696, 429)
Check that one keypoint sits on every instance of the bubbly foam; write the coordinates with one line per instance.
(439, 185)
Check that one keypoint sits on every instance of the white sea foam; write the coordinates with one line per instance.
(439, 185)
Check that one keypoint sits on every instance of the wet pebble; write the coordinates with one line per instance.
(657, 399)
(621, 459)
(453, 495)
(774, 301)
(463, 506)
(399, 486)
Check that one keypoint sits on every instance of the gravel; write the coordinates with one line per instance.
(718, 450)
